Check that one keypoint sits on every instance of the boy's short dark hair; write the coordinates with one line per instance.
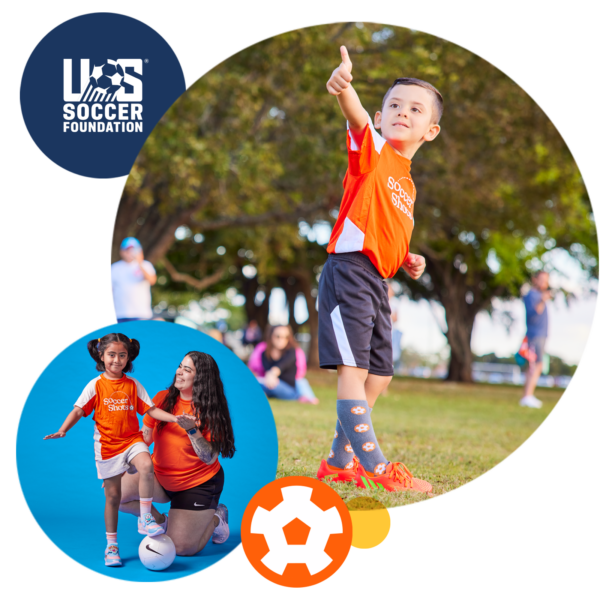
(438, 101)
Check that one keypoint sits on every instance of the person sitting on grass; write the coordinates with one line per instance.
(369, 243)
(280, 367)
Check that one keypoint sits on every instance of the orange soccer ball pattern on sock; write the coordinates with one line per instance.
(368, 446)
(348, 448)
(349, 466)
(358, 410)
(379, 469)
(362, 428)
(335, 435)
(331, 454)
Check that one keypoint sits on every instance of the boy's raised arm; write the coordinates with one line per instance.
(339, 85)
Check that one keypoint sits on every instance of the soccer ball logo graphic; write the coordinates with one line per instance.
(358, 410)
(380, 469)
(368, 446)
(331, 454)
(335, 435)
(349, 466)
(296, 505)
(362, 428)
(105, 81)
(348, 448)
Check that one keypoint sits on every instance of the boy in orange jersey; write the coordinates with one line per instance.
(370, 242)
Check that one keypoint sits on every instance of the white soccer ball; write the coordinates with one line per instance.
(296, 504)
(157, 553)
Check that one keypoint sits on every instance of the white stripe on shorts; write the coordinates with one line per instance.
(342, 338)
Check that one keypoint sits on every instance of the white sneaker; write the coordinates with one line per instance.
(221, 532)
(142, 529)
(530, 402)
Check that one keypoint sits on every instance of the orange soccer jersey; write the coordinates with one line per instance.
(176, 465)
(115, 404)
(376, 213)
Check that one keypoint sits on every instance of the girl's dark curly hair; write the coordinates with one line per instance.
(96, 348)
(208, 403)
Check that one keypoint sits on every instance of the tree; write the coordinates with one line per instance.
(257, 145)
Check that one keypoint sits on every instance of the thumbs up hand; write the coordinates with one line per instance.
(341, 77)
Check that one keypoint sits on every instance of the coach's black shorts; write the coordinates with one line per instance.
(355, 323)
(202, 497)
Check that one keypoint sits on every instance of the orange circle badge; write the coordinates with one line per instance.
(296, 531)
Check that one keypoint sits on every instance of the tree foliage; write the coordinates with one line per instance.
(257, 145)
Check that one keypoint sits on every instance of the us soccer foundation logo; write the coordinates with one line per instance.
(296, 531)
(110, 96)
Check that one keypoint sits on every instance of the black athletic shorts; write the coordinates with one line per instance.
(355, 323)
(201, 497)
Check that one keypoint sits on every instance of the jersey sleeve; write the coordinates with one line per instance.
(142, 401)
(156, 401)
(87, 399)
(364, 158)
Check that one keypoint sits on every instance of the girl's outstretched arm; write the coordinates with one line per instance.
(161, 415)
(73, 417)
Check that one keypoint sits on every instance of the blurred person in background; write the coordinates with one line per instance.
(132, 277)
(252, 334)
(279, 365)
(536, 315)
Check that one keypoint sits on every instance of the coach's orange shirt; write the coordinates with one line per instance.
(376, 213)
(176, 465)
(115, 404)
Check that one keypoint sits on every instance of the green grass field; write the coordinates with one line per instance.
(446, 433)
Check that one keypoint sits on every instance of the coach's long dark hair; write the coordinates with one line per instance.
(208, 403)
(97, 346)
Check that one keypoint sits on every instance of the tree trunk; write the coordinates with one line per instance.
(253, 312)
(453, 288)
(304, 283)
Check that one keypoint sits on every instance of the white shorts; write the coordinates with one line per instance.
(120, 463)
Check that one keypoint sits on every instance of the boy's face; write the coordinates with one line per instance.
(407, 118)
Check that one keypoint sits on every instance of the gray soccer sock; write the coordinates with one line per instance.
(355, 419)
(341, 453)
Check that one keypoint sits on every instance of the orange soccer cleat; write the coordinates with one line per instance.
(328, 473)
(395, 478)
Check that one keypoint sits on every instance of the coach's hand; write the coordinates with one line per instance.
(414, 265)
(340, 79)
(186, 421)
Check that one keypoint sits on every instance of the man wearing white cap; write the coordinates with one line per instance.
(131, 280)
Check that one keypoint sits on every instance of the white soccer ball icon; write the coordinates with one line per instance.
(348, 448)
(296, 504)
(331, 454)
(108, 74)
(349, 465)
(368, 446)
(362, 428)
(358, 410)
(157, 553)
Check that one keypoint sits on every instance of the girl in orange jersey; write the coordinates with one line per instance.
(116, 399)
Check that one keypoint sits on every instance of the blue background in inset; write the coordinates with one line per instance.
(59, 477)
